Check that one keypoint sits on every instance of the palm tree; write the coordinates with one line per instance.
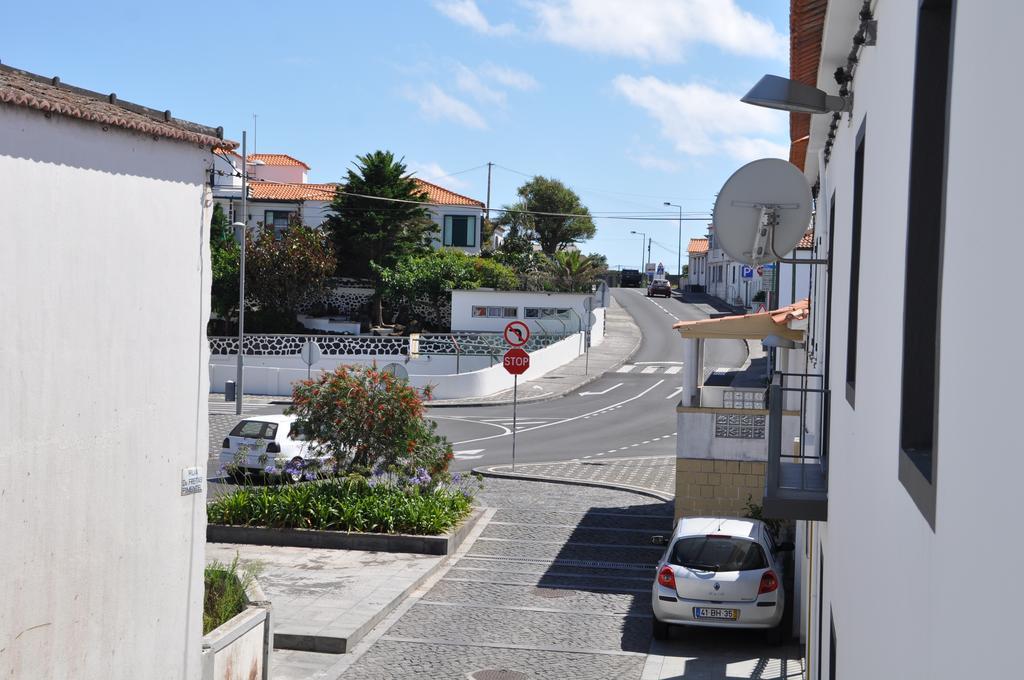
(572, 271)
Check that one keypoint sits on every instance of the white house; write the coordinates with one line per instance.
(545, 313)
(106, 282)
(727, 279)
(697, 262)
(908, 462)
(280, 193)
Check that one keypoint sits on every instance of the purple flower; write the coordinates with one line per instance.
(270, 470)
(309, 476)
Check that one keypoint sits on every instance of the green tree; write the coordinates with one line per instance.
(224, 257)
(370, 232)
(573, 271)
(552, 231)
(369, 420)
(280, 273)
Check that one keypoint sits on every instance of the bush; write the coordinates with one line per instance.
(369, 421)
(224, 596)
(382, 504)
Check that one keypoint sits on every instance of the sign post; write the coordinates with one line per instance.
(310, 355)
(516, 361)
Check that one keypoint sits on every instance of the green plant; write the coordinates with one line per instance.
(224, 592)
(759, 296)
(566, 221)
(572, 271)
(224, 264)
(755, 511)
(368, 420)
(385, 503)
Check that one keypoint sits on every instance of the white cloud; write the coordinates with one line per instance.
(701, 121)
(652, 162)
(437, 104)
(509, 77)
(432, 172)
(657, 30)
(467, 13)
(469, 81)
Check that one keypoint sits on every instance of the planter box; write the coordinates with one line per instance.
(240, 648)
(445, 544)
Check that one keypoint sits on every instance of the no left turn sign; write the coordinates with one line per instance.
(517, 333)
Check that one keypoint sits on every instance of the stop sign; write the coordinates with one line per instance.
(516, 361)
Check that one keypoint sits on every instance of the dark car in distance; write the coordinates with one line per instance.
(631, 278)
(659, 287)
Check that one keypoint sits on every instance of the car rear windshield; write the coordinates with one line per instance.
(255, 429)
(298, 433)
(718, 553)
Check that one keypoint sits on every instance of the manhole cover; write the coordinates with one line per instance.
(552, 592)
(498, 674)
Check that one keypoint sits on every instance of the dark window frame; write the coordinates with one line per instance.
(926, 218)
(853, 311)
(448, 231)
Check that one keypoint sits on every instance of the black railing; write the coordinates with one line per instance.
(796, 483)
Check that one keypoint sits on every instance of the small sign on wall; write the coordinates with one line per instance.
(191, 481)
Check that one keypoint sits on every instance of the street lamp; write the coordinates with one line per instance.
(679, 248)
(242, 227)
(643, 239)
(776, 92)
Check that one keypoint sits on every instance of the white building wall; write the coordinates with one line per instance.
(437, 213)
(288, 174)
(463, 302)
(104, 366)
(903, 595)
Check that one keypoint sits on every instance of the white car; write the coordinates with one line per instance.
(722, 573)
(268, 440)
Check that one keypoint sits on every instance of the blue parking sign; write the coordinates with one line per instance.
(747, 272)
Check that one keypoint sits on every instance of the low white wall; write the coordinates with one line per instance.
(477, 376)
(597, 331)
(463, 302)
(697, 439)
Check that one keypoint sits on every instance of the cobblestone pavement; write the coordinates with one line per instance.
(556, 586)
(653, 474)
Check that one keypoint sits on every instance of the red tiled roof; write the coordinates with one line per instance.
(806, 23)
(50, 96)
(440, 195)
(697, 246)
(276, 159)
(806, 241)
(270, 191)
(797, 311)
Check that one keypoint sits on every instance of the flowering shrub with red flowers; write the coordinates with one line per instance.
(369, 421)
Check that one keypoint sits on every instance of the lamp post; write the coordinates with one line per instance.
(679, 247)
(243, 227)
(643, 240)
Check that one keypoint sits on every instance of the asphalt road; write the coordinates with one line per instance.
(629, 412)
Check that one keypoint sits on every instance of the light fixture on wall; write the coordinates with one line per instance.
(776, 92)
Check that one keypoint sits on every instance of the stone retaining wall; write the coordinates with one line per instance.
(717, 488)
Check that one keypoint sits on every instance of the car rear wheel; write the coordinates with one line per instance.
(659, 629)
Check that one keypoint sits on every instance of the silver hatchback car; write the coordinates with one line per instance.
(719, 572)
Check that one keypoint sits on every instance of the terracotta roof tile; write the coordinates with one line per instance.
(697, 246)
(50, 96)
(797, 311)
(276, 159)
(442, 196)
(271, 191)
(806, 23)
(806, 241)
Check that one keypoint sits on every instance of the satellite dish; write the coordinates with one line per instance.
(763, 211)
(397, 370)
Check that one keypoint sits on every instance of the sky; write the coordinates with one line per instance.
(631, 103)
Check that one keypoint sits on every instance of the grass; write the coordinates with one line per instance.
(345, 504)
(224, 596)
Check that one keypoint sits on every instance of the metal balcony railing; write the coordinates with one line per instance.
(796, 477)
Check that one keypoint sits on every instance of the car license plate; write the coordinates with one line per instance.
(715, 613)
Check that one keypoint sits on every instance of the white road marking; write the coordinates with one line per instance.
(649, 369)
(657, 363)
(677, 391)
(469, 454)
(625, 368)
(583, 394)
(672, 370)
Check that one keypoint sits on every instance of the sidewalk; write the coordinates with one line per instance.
(621, 341)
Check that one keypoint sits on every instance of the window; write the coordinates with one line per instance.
(851, 328)
(733, 274)
(919, 398)
(546, 313)
(718, 553)
(255, 429)
(460, 231)
(280, 220)
(495, 312)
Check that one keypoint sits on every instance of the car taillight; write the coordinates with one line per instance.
(667, 577)
(226, 444)
(769, 582)
(273, 447)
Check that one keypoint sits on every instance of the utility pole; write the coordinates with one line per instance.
(241, 280)
(649, 239)
(487, 207)
(679, 246)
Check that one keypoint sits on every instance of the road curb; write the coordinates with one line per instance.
(557, 395)
(643, 491)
